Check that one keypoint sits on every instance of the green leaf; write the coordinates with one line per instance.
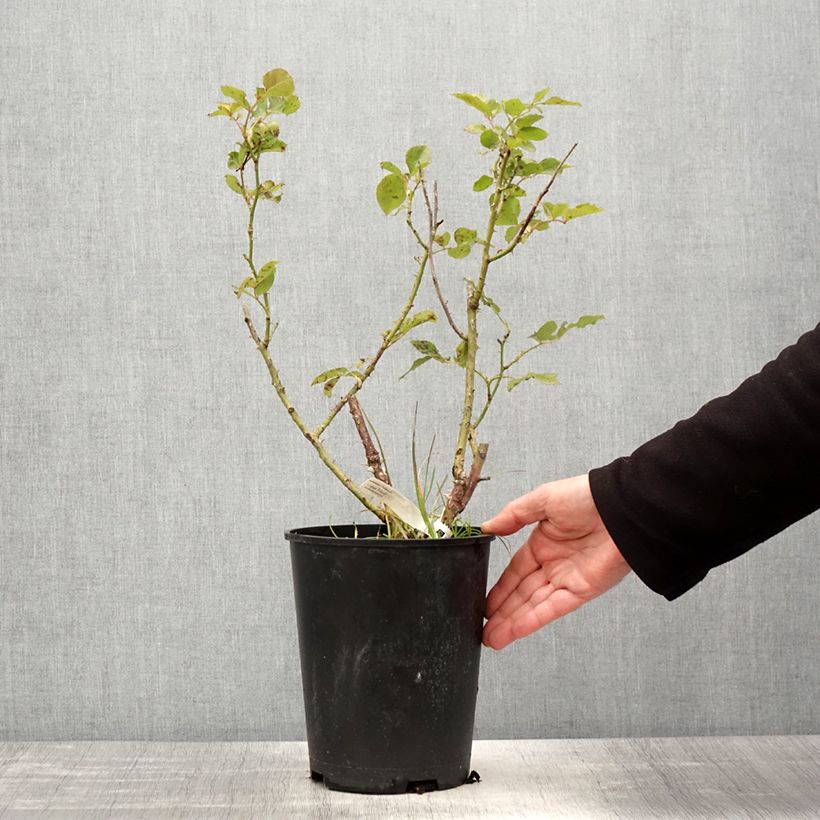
(461, 353)
(391, 192)
(489, 139)
(584, 209)
(236, 159)
(514, 107)
(482, 183)
(416, 364)
(546, 332)
(491, 304)
(333, 373)
(442, 238)
(269, 138)
(265, 278)
(427, 348)
(388, 166)
(460, 251)
(272, 103)
(240, 288)
(556, 210)
(272, 144)
(476, 128)
(559, 101)
(544, 378)
(329, 385)
(261, 107)
(520, 142)
(477, 102)
(292, 104)
(278, 82)
(532, 133)
(465, 235)
(234, 184)
(530, 119)
(510, 233)
(236, 94)
(586, 321)
(510, 209)
(418, 156)
(270, 190)
(550, 164)
(413, 321)
(539, 95)
(550, 332)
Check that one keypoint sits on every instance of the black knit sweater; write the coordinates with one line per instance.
(743, 468)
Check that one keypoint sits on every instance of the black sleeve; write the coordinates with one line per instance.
(743, 468)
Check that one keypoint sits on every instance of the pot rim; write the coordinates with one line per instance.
(324, 536)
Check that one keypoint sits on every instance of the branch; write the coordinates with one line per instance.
(475, 473)
(374, 462)
(473, 302)
(494, 382)
(432, 213)
(409, 219)
(379, 446)
(387, 339)
(463, 492)
(300, 423)
(523, 227)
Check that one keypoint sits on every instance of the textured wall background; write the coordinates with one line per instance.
(146, 472)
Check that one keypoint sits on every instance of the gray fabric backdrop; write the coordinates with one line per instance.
(146, 471)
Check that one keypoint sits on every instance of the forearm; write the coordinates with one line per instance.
(743, 468)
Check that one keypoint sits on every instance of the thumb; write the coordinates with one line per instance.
(526, 509)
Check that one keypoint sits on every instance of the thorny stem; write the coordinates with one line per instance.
(463, 486)
(475, 473)
(375, 432)
(262, 345)
(387, 339)
(455, 501)
(374, 462)
(522, 229)
(324, 455)
(494, 382)
(432, 213)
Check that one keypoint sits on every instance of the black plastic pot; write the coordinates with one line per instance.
(390, 641)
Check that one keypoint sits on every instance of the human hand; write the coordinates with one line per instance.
(567, 560)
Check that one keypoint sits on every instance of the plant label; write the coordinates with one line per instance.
(380, 493)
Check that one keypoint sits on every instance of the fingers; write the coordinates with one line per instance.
(523, 563)
(545, 606)
(522, 593)
(537, 589)
(526, 509)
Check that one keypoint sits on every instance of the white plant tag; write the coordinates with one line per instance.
(380, 493)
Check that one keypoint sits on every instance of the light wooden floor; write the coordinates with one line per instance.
(635, 778)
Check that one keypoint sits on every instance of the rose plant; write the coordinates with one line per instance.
(510, 133)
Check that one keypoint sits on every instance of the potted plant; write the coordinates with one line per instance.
(390, 614)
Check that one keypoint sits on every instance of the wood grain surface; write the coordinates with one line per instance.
(625, 778)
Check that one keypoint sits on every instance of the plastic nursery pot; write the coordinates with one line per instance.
(390, 642)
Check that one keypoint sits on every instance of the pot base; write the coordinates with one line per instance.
(374, 781)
